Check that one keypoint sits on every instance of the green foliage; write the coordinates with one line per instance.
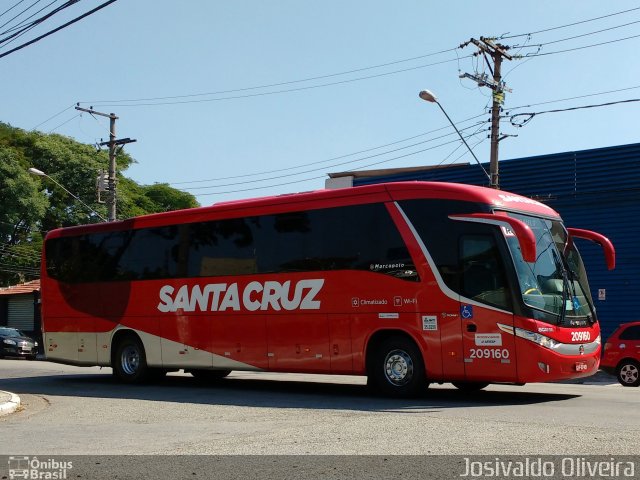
(30, 206)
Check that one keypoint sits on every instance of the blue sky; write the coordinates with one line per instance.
(297, 131)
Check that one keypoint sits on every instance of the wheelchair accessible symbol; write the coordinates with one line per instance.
(466, 311)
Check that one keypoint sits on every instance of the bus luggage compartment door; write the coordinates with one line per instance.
(298, 343)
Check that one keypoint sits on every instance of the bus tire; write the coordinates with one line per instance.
(470, 386)
(396, 368)
(209, 375)
(130, 361)
(628, 373)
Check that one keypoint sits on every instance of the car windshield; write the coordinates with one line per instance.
(556, 282)
(10, 332)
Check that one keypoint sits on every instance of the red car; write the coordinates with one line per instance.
(621, 355)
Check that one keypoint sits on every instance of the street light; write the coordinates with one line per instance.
(40, 173)
(428, 96)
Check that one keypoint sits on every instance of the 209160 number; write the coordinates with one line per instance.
(580, 336)
(497, 353)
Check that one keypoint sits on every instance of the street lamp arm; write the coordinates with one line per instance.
(428, 96)
(463, 139)
(40, 173)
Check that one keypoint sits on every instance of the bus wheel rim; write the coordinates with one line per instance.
(130, 360)
(398, 367)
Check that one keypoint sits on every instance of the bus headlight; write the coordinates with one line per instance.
(534, 337)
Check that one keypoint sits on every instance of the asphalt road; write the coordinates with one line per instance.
(83, 411)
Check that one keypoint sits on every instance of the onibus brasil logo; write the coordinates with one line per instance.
(34, 468)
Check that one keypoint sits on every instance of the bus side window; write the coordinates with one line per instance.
(482, 275)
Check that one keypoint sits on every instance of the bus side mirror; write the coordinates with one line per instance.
(522, 231)
(604, 242)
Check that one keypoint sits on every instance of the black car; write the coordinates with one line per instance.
(14, 343)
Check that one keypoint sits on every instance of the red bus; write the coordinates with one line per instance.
(406, 283)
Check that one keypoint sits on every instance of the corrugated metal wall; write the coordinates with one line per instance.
(21, 313)
(595, 189)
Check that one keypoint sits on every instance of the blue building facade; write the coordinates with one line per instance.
(596, 189)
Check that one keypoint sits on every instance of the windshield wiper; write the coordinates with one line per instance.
(573, 277)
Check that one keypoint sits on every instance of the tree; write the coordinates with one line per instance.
(31, 206)
(21, 208)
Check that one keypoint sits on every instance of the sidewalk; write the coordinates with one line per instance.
(9, 402)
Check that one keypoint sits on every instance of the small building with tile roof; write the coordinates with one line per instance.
(20, 308)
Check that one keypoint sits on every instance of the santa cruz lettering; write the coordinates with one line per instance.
(220, 297)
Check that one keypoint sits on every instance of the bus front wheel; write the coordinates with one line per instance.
(397, 369)
(130, 361)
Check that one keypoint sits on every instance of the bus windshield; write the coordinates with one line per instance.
(556, 282)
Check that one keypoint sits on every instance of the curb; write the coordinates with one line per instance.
(10, 405)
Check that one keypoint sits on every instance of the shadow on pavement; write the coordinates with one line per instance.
(270, 393)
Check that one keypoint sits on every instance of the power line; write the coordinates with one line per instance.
(22, 267)
(576, 98)
(11, 254)
(322, 177)
(412, 153)
(29, 17)
(320, 77)
(54, 116)
(20, 247)
(20, 272)
(595, 32)
(459, 146)
(275, 92)
(51, 32)
(328, 166)
(23, 11)
(65, 122)
(582, 48)
(267, 172)
(30, 25)
(26, 256)
(156, 101)
(11, 8)
(271, 85)
(531, 115)
(569, 24)
(551, 42)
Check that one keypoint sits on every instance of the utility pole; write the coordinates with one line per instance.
(488, 48)
(113, 144)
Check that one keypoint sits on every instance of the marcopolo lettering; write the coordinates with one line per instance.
(220, 297)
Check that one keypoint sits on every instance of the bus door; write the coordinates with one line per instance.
(447, 323)
(489, 352)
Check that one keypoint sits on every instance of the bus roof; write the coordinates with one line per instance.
(382, 192)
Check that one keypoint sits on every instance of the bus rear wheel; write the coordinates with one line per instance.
(209, 375)
(396, 368)
(130, 361)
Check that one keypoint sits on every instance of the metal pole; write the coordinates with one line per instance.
(495, 123)
(111, 206)
(113, 144)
